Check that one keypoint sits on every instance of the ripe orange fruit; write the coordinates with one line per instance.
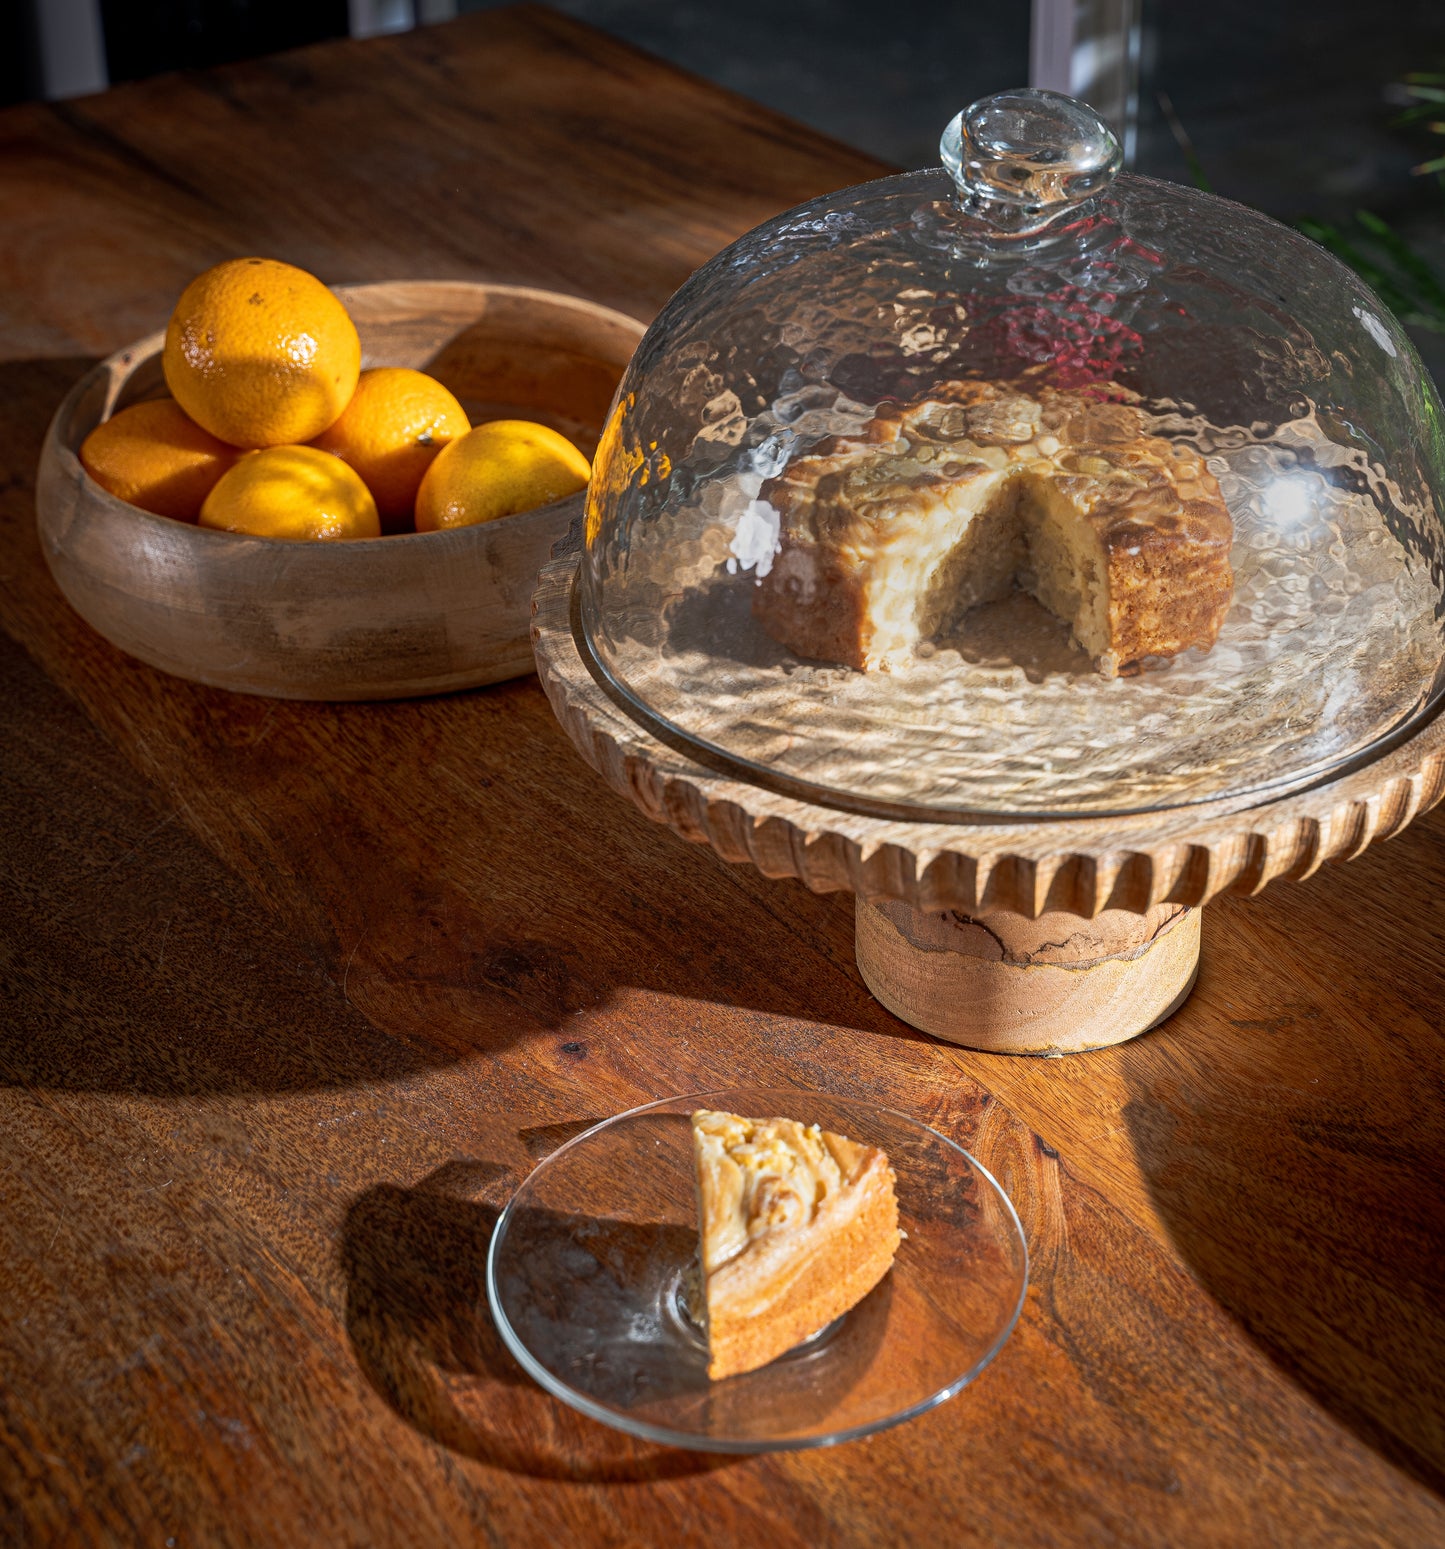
(390, 432)
(261, 353)
(156, 457)
(292, 492)
(496, 470)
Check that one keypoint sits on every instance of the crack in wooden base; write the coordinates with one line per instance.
(1009, 985)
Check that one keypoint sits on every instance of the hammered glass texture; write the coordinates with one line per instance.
(1244, 339)
(594, 1262)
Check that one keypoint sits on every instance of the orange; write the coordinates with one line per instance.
(394, 426)
(154, 456)
(261, 353)
(292, 492)
(496, 470)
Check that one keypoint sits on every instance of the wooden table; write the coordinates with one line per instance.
(295, 994)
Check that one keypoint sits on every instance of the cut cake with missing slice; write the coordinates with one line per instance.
(933, 508)
(797, 1225)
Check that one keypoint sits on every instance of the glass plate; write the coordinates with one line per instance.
(589, 1265)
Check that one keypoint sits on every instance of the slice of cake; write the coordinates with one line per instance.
(797, 1225)
(886, 536)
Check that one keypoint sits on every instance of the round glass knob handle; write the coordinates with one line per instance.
(1022, 158)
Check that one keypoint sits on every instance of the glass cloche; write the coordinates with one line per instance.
(1022, 489)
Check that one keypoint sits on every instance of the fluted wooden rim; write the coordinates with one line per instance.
(1081, 865)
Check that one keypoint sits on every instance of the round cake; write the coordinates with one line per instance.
(935, 507)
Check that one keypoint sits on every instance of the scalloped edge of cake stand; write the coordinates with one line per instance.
(1028, 885)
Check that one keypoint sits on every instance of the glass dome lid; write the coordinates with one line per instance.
(1022, 489)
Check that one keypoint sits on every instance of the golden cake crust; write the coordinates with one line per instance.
(856, 512)
(797, 1225)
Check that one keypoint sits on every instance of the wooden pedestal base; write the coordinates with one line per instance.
(1011, 985)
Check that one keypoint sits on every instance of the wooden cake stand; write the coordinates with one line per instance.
(1024, 938)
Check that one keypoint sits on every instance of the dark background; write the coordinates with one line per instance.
(1288, 106)
(146, 37)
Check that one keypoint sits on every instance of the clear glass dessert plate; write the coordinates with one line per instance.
(593, 1263)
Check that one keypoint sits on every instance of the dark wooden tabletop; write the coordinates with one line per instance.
(294, 994)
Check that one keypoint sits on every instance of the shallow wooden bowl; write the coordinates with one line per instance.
(384, 618)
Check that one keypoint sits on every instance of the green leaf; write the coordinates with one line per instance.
(1198, 175)
(1378, 279)
(1414, 115)
(1427, 282)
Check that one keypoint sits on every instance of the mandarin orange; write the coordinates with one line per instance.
(498, 469)
(155, 456)
(396, 423)
(296, 492)
(260, 353)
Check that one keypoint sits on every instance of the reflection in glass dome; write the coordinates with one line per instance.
(1127, 502)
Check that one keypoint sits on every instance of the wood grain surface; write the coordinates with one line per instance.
(295, 993)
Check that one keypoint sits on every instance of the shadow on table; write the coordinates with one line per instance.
(416, 1312)
(133, 960)
(1292, 1138)
(438, 923)
(136, 961)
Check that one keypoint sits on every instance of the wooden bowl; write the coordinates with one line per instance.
(383, 618)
